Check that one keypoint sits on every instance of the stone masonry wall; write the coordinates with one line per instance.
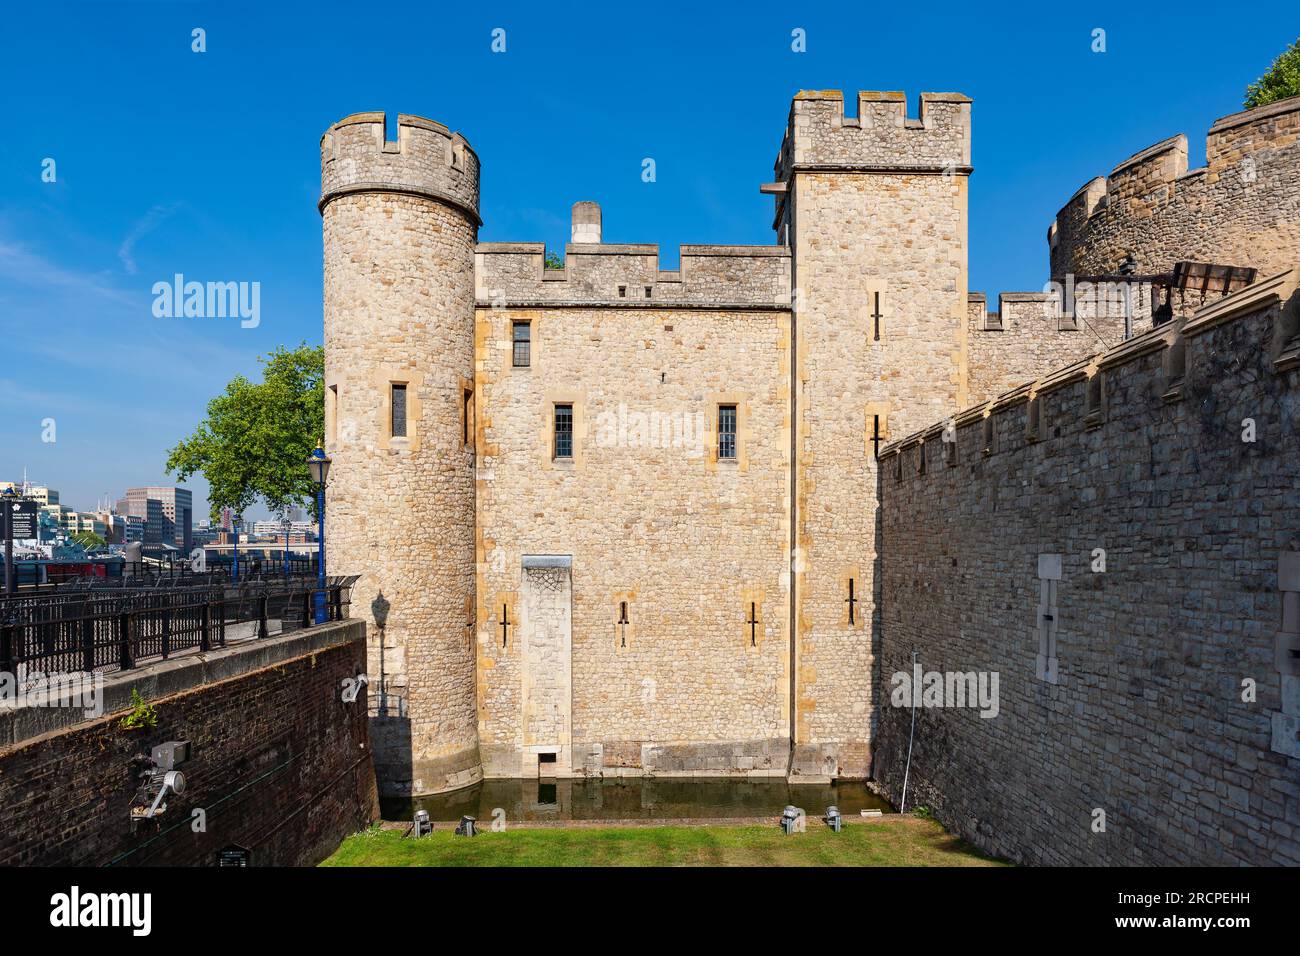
(651, 519)
(1141, 709)
(1242, 208)
(279, 762)
(1029, 336)
(512, 274)
(862, 238)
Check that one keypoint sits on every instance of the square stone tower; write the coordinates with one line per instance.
(874, 209)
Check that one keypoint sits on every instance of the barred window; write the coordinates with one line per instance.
(727, 431)
(523, 341)
(563, 431)
(399, 410)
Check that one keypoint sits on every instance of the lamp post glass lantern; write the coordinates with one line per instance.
(318, 464)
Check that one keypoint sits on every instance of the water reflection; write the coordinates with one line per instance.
(635, 798)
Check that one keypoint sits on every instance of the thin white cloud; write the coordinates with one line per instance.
(151, 220)
(20, 266)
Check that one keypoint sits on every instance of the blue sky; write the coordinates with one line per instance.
(207, 163)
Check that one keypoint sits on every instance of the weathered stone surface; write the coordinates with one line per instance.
(1242, 208)
(1148, 719)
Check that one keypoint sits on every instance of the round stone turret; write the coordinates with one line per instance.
(400, 222)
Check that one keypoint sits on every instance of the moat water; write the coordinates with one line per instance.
(636, 798)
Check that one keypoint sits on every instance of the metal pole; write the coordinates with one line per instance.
(286, 551)
(320, 558)
(9, 545)
(234, 568)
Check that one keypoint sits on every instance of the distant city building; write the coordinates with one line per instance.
(275, 529)
(168, 514)
(134, 529)
(39, 493)
(114, 526)
(138, 503)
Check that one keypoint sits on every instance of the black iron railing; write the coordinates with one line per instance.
(107, 630)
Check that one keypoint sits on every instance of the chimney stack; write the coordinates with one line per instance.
(586, 222)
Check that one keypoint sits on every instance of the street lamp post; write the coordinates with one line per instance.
(234, 567)
(318, 464)
(8, 497)
(285, 555)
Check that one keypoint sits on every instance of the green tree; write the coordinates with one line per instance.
(554, 260)
(257, 436)
(1281, 80)
(87, 539)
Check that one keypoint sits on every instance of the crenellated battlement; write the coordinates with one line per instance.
(1153, 208)
(1277, 297)
(628, 275)
(882, 137)
(426, 159)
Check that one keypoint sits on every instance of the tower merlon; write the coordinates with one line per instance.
(881, 138)
(427, 159)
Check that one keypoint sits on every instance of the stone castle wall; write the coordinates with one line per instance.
(646, 607)
(1032, 333)
(1242, 208)
(279, 761)
(651, 520)
(399, 234)
(1139, 708)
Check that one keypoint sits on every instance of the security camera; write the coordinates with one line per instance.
(158, 778)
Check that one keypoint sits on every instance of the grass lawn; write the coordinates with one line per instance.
(912, 842)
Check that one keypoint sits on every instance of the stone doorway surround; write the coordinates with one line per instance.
(546, 629)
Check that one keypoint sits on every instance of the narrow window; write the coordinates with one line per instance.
(333, 394)
(563, 431)
(727, 432)
(852, 602)
(399, 410)
(876, 317)
(622, 292)
(623, 622)
(753, 623)
(523, 343)
(647, 291)
(876, 436)
(468, 409)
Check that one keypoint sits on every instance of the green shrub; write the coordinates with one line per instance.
(142, 715)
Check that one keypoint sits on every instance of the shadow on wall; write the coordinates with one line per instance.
(390, 724)
(878, 699)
